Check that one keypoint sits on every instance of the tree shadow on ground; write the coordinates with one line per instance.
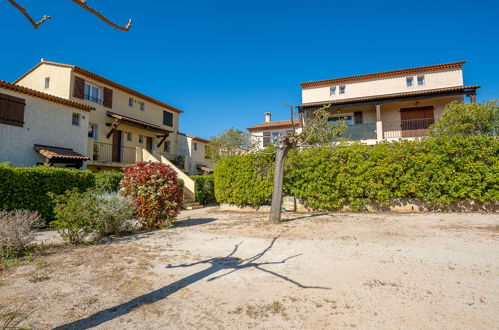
(305, 217)
(230, 263)
(193, 222)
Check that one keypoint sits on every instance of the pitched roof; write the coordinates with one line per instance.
(195, 138)
(274, 125)
(56, 152)
(133, 121)
(386, 74)
(103, 80)
(394, 96)
(44, 96)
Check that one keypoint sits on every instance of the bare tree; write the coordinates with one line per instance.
(316, 131)
(81, 3)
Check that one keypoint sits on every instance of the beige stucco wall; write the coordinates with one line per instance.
(46, 123)
(433, 80)
(59, 80)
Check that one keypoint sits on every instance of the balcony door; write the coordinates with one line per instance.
(117, 146)
(416, 121)
(149, 144)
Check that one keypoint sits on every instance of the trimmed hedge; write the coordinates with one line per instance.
(108, 181)
(27, 187)
(205, 189)
(435, 171)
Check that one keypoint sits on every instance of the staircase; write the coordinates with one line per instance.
(190, 204)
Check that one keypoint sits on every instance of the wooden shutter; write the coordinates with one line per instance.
(167, 118)
(266, 138)
(79, 88)
(108, 98)
(357, 117)
(12, 110)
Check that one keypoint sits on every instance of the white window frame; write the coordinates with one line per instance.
(409, 81)
(89, 97)
(47, 82)
(78, 119)
(332, 90)
(343, 89)
(142, 106)
(421, 80)
(130, 102)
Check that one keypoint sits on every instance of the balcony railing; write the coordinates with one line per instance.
(107, 153)
(407, 128)
(92, 99)
(365, 131)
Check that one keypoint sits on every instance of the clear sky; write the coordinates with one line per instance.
(225, 63)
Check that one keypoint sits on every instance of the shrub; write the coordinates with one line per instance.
(115, 214)
(108, 181)
(27, 188)
(435, 171)
(244, 180)
(76, 215)
(205, 188)
(156, 193)
(17, 231)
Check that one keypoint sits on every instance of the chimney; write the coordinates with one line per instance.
(268, 117)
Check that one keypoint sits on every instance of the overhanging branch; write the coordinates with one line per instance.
(83, 4)
(28, 17)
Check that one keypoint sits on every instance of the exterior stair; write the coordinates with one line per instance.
(190, 204)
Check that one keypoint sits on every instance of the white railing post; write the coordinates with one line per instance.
(379, 123)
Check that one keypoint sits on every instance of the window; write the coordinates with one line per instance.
(130, 102)
(276, 135)
(141, 139)
(167, 118)
(47, 82)
(167, 146)
(93, 131)
(76, 119)
(129, 136)
(266, 138)
(332, 90)
(195, 146)
(11, 110)
(420, 80)
(142, 106)
(345, 117)
(92, 94)
(409, 81)
(342, 89)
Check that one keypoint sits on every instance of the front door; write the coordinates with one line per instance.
(116, 146)
(149, 144)
(416, 121)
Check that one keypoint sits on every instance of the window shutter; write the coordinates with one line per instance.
(79, 88)
(108, 98)
(12, 110)
(266, 138)
(357, 117)
(167, 118)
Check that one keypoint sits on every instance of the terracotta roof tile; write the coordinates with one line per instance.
(391, 96)
(386, 74)
(44, 96)
(273, 125)
(56, 152)
(145, 124)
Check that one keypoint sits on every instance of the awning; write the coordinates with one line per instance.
(53, 153)
(136, 122)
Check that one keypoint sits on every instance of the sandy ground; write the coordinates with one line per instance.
(234, 271)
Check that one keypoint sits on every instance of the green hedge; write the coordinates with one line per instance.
(435, 171)
(205, 189)
(108, 180)
(27, 187)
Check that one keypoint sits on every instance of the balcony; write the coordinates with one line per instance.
(365, 131)
(407, 128)
(106, 153)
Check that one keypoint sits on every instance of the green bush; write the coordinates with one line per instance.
(108, 181)
(115, 214)
(76, 215)
(244, 180)
(436, 171)
(205, 188)
(27, 187)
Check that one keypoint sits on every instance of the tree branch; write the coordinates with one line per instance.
(28, 17)
(83, 4)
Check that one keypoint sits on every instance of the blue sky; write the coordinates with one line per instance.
(225, 63)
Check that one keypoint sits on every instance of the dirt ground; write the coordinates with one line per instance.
(235, 271)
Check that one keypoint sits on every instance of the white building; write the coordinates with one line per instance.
(38, 128)
(267, 131)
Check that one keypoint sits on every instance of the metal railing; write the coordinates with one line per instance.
(92, 99)
(106, 153)
(407, 128)
(365, 131)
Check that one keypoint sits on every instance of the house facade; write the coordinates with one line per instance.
(38, 128)
(192, 150)
(267, 132)
(388, 105)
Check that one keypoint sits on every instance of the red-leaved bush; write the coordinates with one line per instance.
(156, 193)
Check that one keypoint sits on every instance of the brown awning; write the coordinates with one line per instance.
(139, 123)
(58, 153)
(395, 97)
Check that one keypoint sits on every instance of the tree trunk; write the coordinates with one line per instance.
(283, 146)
